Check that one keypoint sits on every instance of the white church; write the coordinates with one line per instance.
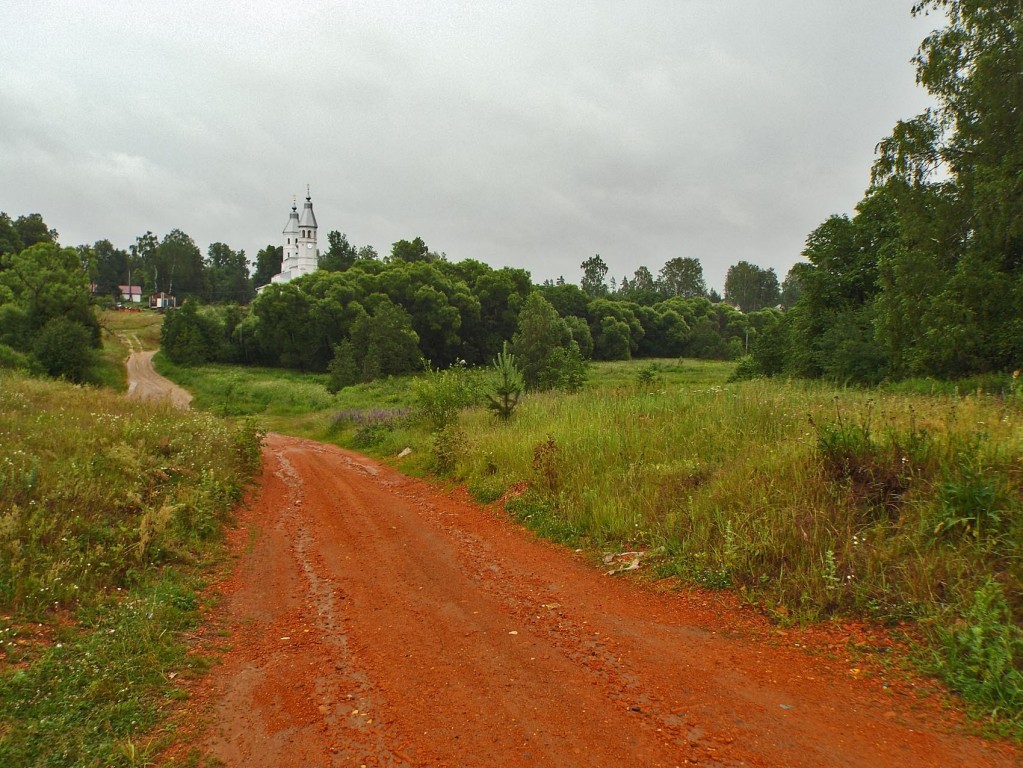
(301, 256)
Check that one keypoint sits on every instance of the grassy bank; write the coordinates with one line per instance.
(108, 511)
(811, 501)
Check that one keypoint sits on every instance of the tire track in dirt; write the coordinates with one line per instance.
(377, 621)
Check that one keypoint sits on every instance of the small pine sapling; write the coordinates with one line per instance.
(507, 384)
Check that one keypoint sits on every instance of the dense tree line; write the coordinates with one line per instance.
(926, 279)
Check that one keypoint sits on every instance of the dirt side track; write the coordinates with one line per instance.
(377, 622)
(144, 383)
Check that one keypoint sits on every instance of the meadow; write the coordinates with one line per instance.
(811, 501)
(111, 512)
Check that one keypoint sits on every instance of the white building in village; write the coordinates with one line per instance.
(301, 256)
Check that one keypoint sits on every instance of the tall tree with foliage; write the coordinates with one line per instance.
(955, 173)
(340, 254)
(682, 277)
(189, 336)
(178, 265)
(594, 282)
(111, 268)
(10, 240)
(411, 250)
(791, 287)
(642, 280)
(32, 229)
(268, 264)
(750, 287)
(45, 308)
(227, 275)
(384, 342)
(142, 267)
(544, 348)
(615, 328)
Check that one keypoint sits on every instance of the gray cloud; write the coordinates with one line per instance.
(523, 133)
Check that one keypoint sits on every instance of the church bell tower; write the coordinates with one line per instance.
(308, 253)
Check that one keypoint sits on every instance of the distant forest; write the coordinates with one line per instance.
(925, 279)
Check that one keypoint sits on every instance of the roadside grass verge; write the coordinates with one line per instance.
(109, 509)
(903, 505)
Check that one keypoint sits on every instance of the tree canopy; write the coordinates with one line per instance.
(45, 308)
(926, 279)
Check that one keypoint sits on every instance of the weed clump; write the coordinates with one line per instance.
(438, 396)
(877, 472)
(447, 448)
(547, 469)
(983, 654)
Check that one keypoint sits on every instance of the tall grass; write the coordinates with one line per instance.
(105, 507)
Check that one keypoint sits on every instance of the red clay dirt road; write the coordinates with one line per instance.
(377, 621)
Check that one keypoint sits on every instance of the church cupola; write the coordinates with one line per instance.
(308, 221)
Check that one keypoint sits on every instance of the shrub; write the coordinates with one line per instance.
(12, 358)
(649, 375)
(343, 368)
(384, 343)
(438, 396)
(63, 348)
(448, 446)
(564, 368)
(190, 337)
(547, 354)
(746, 369)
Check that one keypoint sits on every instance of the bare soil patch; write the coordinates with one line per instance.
(144, 383)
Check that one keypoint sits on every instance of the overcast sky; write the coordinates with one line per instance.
(530, 134)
